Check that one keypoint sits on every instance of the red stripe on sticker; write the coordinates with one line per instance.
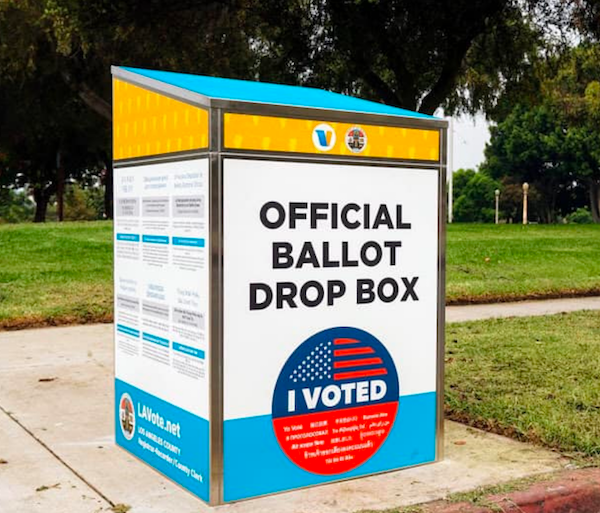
(359, 374)
(356, 363)
(342, 341)
(356, 350)
(291, 431)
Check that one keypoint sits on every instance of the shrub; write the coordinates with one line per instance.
(580, 216)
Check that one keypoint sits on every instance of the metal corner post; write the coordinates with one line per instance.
(441, 307)
(114, 253)
(216, 306)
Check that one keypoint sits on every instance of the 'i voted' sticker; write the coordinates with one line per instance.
(335, 400)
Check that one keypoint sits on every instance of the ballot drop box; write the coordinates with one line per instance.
(279, 283)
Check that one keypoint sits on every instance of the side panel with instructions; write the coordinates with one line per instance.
(161, 248)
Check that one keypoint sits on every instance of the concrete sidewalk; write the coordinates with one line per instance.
(520, 308)
(56, 435)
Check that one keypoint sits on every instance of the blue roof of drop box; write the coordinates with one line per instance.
(275, 94)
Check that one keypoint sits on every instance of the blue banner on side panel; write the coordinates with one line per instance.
(188, 241)
(155, 239)
(170, 439)
(132, 332)
(130, 237)
(254, 463)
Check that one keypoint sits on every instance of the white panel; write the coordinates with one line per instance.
(161, 281)
(257, 343)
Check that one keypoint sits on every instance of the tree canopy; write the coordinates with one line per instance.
(555, 143)
(55, 87)
(55, 57)
(415, 55)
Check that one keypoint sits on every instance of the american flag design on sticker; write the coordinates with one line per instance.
(335, 400)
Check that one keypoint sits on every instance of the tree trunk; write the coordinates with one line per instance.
(60, 188)
(547, 209)
(594, 190)
(108, 189)
(41, 198)
(93, 100)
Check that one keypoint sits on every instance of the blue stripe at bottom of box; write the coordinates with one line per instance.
(254, 464)
(177, 446)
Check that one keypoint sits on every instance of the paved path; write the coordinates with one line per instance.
(521, 308)
(56, 434)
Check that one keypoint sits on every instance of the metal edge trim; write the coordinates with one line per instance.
(114, 280)
(235, 152)
(171, 91)
(293, 111)
(441, 300)
(216, 130)
(216, 392)
(329, 159)
(161, 157)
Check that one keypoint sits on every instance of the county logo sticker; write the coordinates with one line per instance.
(127, 416)
(356, 139)
(335, 400)
(323, 137)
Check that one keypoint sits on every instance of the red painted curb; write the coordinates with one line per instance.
(576, 491)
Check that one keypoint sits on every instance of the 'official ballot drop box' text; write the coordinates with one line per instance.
(279, 283)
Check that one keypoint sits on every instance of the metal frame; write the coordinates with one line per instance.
(216, 154)
(332, 159)
(173, 92)
(441, 306)
(176, 156)
(216, 310)
(288, 111)
(438, 166)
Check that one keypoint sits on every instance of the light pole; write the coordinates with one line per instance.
(497, 193)
(525, 189)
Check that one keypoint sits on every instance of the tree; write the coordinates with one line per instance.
(69, 45)
(575, 93)
(554, 142)
(460, 179)
(415, 55)
(82, 204)
(583, 143)
(511, 201)
(48, 136)
(81, 40)
(530, 146)
(15, 206)
(586, 17)
(474, 196)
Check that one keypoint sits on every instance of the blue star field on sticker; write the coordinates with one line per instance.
(316, 366)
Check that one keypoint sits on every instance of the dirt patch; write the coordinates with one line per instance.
(496, 427)
(510, 298)
(22, 323)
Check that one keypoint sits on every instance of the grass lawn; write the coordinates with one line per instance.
(532, 378)
(61, 273)
(491, 263)
(55, 273)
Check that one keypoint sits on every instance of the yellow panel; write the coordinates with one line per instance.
(248, 132)
(148, 123)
